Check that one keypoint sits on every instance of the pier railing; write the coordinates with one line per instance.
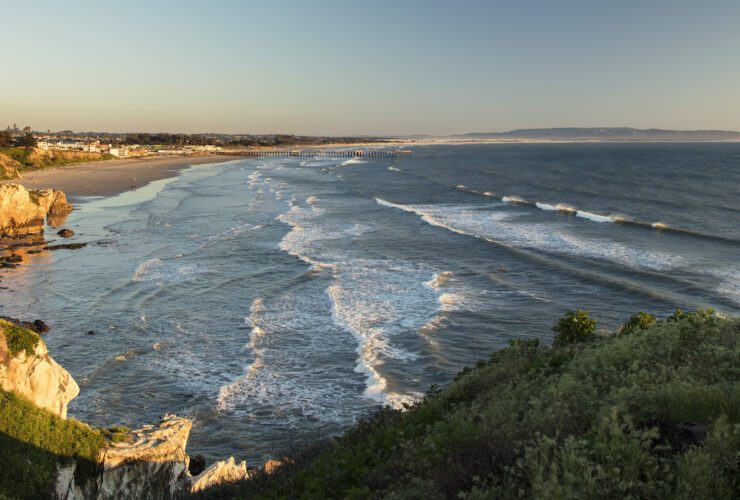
(321, 153)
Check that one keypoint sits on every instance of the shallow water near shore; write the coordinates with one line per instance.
(276, 301)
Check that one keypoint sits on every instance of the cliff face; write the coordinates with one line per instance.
(8, 167)
(42, 157)
(24, 212)
(152, 464)
(223, 471)
(155, 460)
(32, 373)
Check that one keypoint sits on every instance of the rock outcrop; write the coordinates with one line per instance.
(8, 167)
(50, 157)
(24, 212)
(154, 460)
(223, 471)
(34, 374)
(151, 464)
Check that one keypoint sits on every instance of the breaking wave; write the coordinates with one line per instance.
(502, 227)
(352, 161)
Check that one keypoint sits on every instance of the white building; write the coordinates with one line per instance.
(119, 152)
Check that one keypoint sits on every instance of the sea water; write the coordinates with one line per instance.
(276, 301)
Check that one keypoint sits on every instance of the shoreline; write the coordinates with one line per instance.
(110, 177)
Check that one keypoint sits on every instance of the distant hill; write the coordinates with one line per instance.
(606, 134)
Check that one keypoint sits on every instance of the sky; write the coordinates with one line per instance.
(377, 67)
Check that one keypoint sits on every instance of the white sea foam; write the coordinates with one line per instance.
(375, 300)
(394, 169)
(593, 216)
(502, 227)
(254, 178)
(560, 207)
(190, 354)
(289, 377)
(728, 282)
(159, 271)
(439, 280)
(516, 200)
(352, 161)
(379, 301)
(302, 239)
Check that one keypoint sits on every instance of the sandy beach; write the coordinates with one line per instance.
(110, 177)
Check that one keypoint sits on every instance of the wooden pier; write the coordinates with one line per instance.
(320, 153)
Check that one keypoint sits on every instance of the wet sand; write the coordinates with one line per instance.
(110, 177)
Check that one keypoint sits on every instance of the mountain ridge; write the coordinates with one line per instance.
(606, 134)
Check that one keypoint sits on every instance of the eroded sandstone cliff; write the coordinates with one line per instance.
(150, 462)
(8, 167)
(27, 369)
(24, 212)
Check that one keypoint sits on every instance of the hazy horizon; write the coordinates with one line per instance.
(386, 69)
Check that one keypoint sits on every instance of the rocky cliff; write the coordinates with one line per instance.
(27, 369)
(223, 471)
(24, 212)
(150, 462)
(8, 167)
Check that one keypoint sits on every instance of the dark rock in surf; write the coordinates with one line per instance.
(66, 233)
(65, 246)
(10, 261)
(37, 326)
(40, 326)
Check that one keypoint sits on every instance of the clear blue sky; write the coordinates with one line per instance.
(371, 67)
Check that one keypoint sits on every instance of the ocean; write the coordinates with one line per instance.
(276, 301)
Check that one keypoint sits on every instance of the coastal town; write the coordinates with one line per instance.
(124, 145)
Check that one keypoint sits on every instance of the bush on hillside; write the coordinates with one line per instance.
(639, 321)
(653, 414)
(34, 442)
(574, 327)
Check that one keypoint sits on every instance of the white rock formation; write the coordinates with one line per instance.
(24, 212)
(223, 471)
(151, 465)
(154, 461)
(37, 377)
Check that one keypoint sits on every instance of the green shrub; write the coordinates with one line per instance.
(607, 419)
(637, 322)
(33, 442)
(18, 338)
(574, 327)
